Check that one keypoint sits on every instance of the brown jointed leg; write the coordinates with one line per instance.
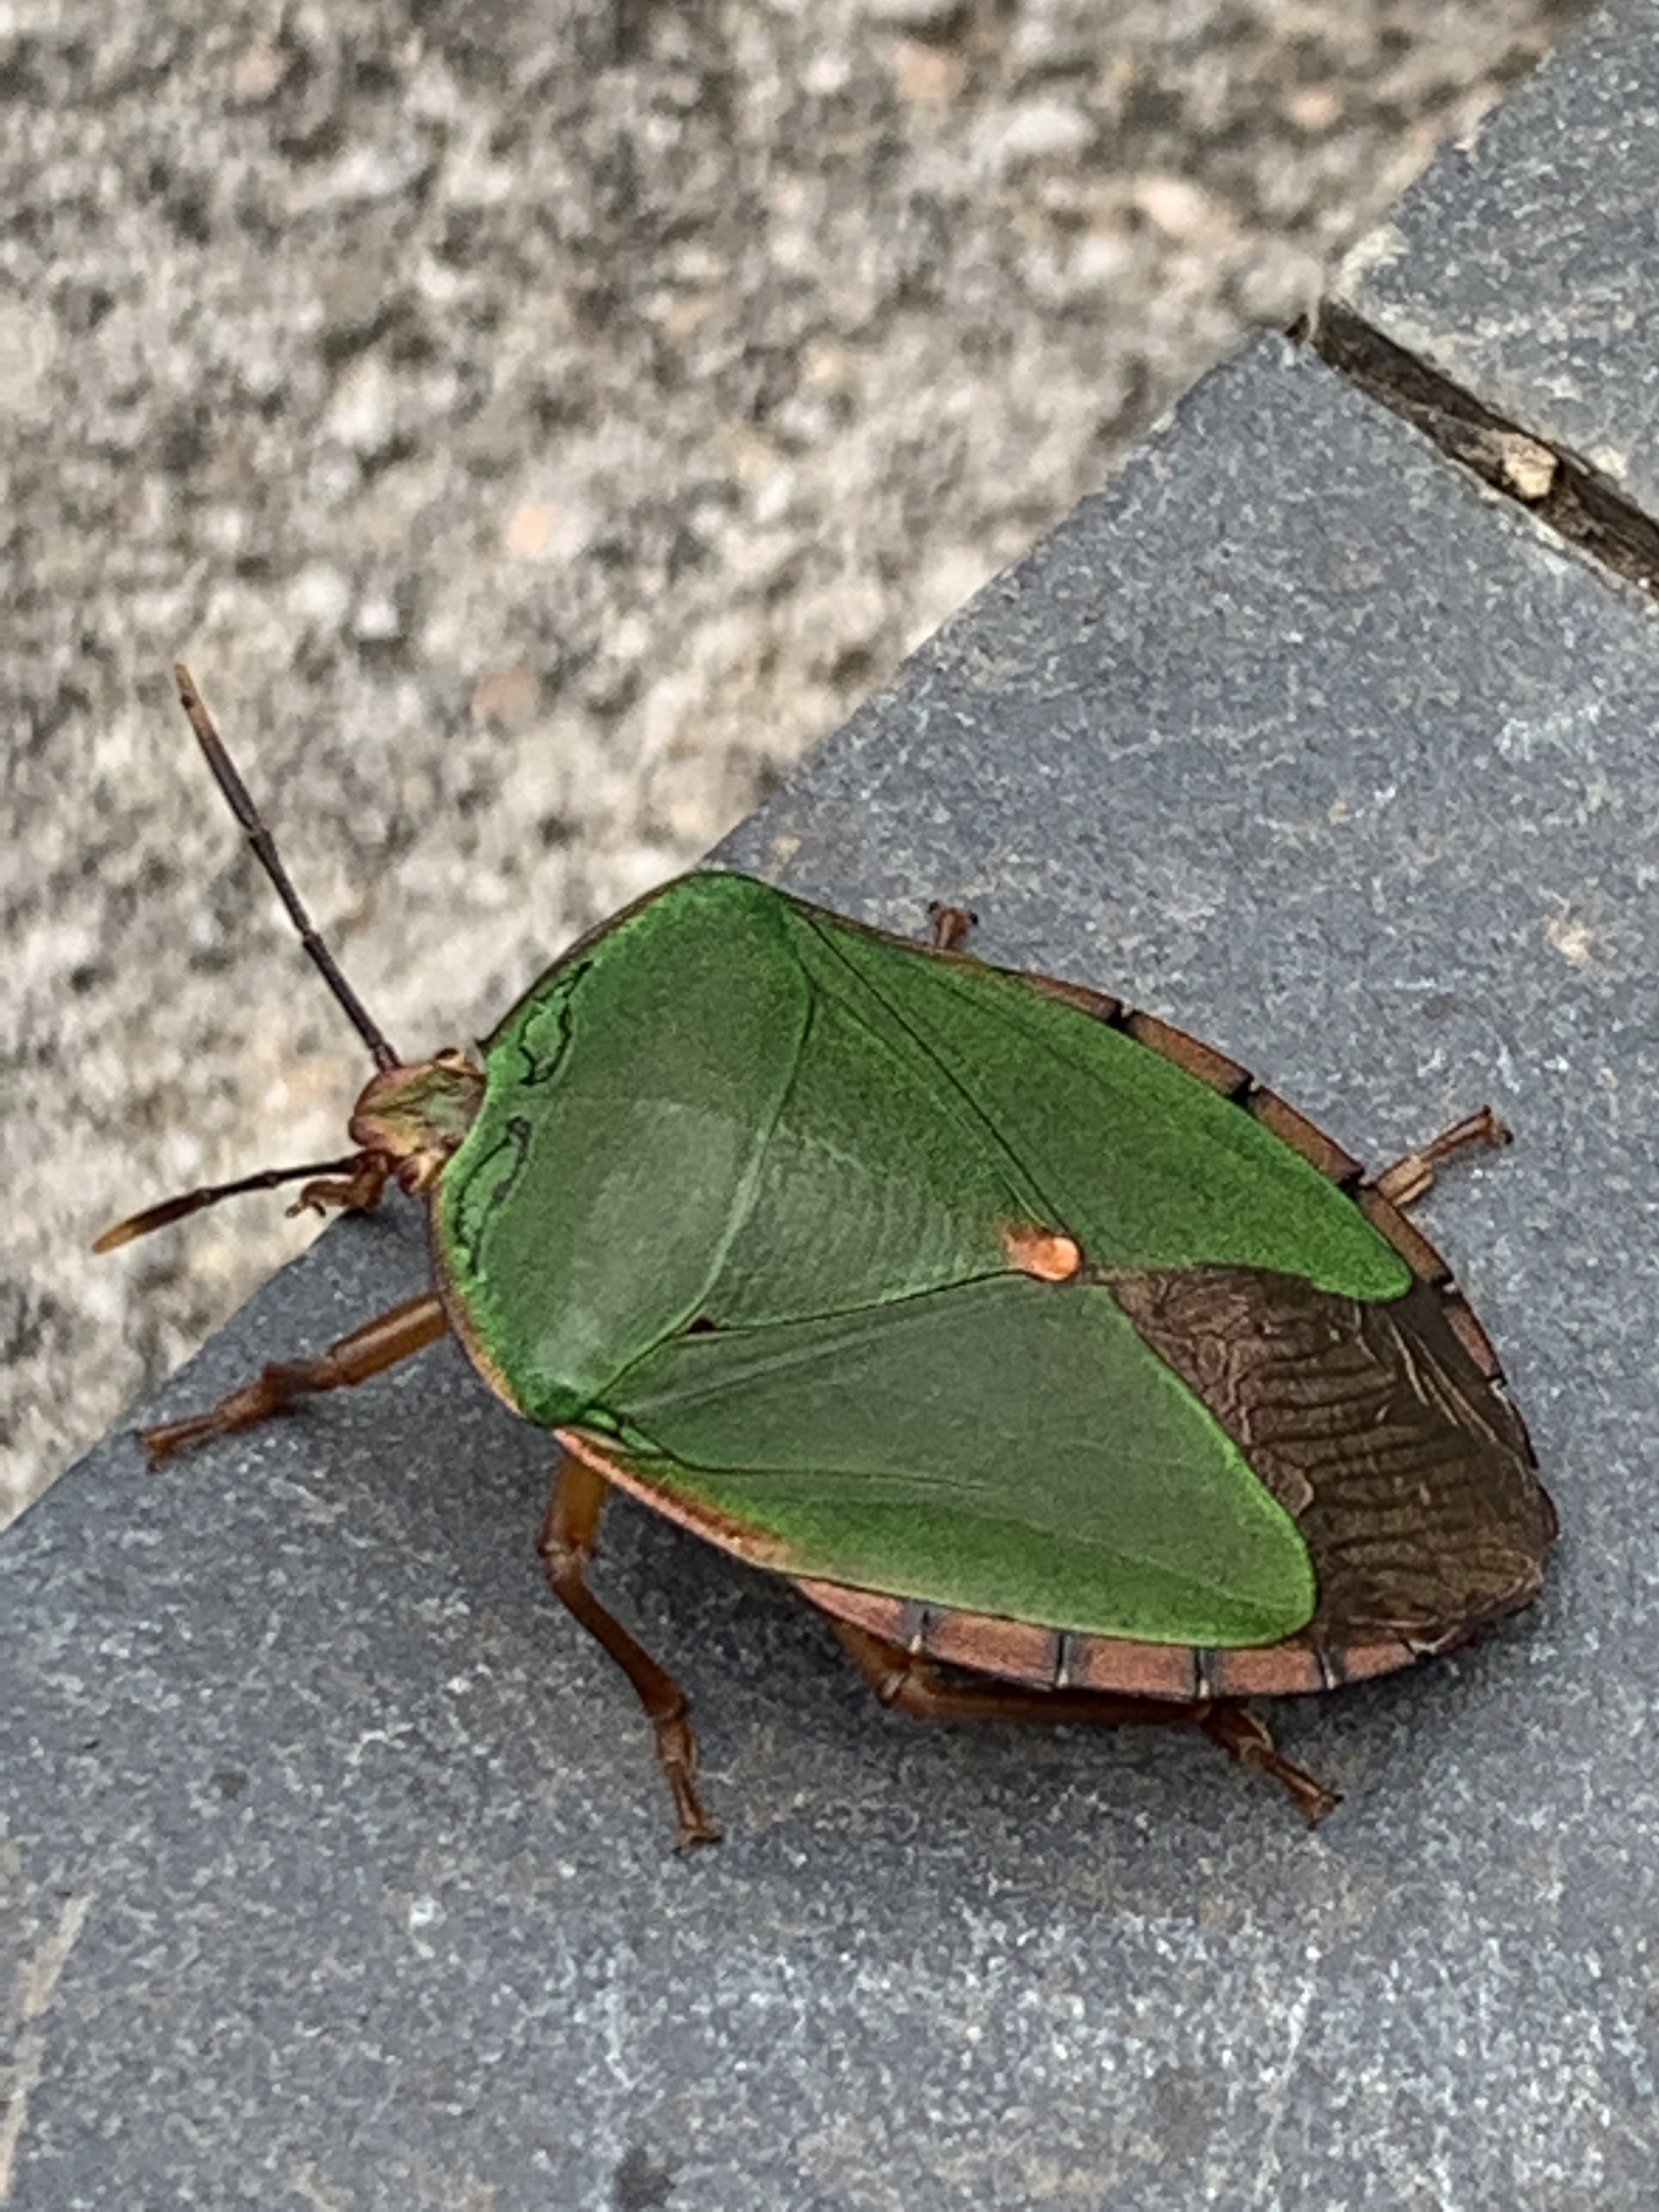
(950, 924)
(1411, 1176)
(912, 1684)
(407, 1328)
(358, 1192)
(1240, 1733)
(568, 1537)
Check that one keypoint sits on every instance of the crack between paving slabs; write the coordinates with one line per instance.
(1576, 502)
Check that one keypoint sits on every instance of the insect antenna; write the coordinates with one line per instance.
(366, 1171)
(265, 847)
(188, 1202)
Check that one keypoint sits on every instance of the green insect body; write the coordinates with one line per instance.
(745, 1200)
(1027, 1336)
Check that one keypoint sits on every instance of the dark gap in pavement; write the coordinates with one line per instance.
(1576, 502)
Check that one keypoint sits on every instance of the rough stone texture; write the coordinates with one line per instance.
(1524, 266)
(339, 1872)
(536, 419)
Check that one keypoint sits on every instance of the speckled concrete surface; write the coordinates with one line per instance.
(338, 1873)
(1526, 270)
(536, 422)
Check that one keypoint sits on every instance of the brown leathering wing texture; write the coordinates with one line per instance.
(1392, 1446)
(1406, 1468)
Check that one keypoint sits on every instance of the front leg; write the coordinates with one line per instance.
(379, 1344)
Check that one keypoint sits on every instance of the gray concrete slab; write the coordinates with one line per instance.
(338, 1872)
(1523, 267)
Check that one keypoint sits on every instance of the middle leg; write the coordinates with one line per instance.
(569, 1535)
(1412, 1176)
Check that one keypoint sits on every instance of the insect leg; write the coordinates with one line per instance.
(407, 1328)
(949, 927)
(914, 1685)
(1240, 1733)
(1409, 1178)
(568, 1537)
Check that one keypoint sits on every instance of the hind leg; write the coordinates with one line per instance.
(911, 1684)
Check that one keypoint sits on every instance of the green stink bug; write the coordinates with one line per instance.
(1069, 1370)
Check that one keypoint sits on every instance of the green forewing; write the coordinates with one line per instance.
(1008, 1445)
(623, 1128)
(1145, 1166)
(739, 1194)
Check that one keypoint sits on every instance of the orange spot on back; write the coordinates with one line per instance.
(1045, 1253)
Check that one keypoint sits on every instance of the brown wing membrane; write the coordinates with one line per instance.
(1408, 1473)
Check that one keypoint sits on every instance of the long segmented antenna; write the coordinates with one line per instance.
(241, 804)
(171, 1210)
